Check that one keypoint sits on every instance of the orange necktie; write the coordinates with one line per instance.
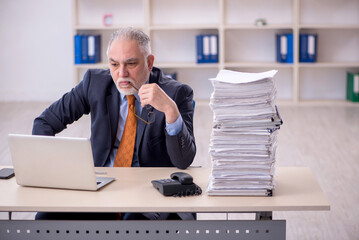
(127, 144)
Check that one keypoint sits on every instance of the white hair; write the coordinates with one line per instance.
(130, 33)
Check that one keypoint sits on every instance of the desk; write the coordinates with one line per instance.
(296, 190)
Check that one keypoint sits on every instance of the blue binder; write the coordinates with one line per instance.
(213, 48)
(94, 49)
(98, 49)
(78, 49)
(284, 43)
(207, 48)
(199, 48)
(84, 49)
(308, 47)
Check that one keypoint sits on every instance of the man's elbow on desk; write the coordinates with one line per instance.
(183, 152)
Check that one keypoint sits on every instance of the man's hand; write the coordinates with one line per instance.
(153, 95)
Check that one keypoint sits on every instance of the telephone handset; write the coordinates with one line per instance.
(180, 184)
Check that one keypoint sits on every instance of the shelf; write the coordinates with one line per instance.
(101, 27)
(93, 65)
(257, 65)
(254, 27)
(184, 26)
(159, 64)
(186, 65)
(330, 65)
(329, 26)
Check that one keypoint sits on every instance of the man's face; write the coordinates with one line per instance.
(128, 64)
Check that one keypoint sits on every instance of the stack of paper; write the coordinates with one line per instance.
(243, 140)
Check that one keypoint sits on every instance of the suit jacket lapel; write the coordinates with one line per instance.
(113, 102)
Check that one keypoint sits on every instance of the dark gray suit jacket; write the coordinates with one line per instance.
(98, 95)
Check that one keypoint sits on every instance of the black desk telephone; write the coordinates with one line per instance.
(180, 184)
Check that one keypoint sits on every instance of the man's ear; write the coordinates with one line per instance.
(150, 60)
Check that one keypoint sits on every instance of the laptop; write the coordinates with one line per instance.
(54, 162)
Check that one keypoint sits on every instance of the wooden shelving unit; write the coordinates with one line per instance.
(173, 25)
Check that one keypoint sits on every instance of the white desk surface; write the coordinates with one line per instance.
(296, 190)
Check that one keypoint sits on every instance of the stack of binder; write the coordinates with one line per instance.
(87, 49)
(244, 134)
(207, 48)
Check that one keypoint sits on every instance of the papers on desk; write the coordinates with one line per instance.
(244, 135)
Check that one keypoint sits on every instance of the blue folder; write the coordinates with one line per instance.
(78, 49)
(87, 48)
(284, 44)
(94, 48)
(207, 48)
(308, 47)
(84, 49)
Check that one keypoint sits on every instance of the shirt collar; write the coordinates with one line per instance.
(123, 96)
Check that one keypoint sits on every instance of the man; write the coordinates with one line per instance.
(162, 107)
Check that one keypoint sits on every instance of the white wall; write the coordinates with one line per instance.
(36, 49)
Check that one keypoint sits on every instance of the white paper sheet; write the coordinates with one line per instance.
(242, 77)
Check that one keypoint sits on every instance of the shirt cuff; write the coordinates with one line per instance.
(174, 128)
